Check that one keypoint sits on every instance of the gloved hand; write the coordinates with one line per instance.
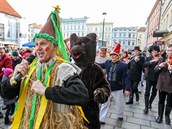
(100, 96)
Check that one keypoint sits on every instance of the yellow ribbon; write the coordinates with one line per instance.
(21, 103)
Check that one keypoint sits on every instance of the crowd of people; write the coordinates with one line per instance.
(154, 66)
(57, 93)
(9, 58)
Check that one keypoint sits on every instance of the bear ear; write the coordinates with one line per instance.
(73, 39)
(93, 36)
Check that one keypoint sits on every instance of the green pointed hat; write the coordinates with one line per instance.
(52, 31)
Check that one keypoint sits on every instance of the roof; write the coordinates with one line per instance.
(35, 25)
(142, 29)
(6, 8)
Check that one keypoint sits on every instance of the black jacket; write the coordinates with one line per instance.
(15, 62)
(149, 66)
(136, 68)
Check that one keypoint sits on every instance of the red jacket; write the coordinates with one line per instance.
(6, 62)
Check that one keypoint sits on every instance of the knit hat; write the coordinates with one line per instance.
(15, 53)
(7, 71)
(52, 31)
(115, 49)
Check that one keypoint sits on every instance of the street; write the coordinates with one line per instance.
(133, 117)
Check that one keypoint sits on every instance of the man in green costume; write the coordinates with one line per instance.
(51, 87)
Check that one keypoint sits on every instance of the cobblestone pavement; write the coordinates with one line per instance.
(133, 117)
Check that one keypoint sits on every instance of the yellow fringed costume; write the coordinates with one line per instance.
(56, 116)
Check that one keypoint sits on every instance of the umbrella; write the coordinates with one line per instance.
(29, 44)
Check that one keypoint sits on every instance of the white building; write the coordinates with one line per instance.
(126, 36)
(165, 30)
(141, 38)
(73, 25)
(98, 29)
(32, 30)
(9, 23)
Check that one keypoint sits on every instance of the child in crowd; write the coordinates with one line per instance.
(10, 103)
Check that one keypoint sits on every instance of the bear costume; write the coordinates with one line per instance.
(83, 52)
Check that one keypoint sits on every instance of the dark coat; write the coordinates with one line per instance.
(165, 78)
(151, 75)
(121, 75)
(94, 79)
(17, 61)
(135, 69)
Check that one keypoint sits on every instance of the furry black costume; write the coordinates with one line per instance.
(83, 52)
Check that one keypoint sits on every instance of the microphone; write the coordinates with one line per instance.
(18, 77)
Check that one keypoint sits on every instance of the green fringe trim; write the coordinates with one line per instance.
(45, 36)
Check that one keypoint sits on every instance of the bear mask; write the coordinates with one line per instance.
(83, 49)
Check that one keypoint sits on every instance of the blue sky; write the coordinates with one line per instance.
(120, 12)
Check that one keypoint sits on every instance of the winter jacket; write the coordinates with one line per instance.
(121, 78)
(165, 78)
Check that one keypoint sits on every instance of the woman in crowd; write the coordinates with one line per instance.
(164, 85)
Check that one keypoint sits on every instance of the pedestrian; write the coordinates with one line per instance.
(10, 103)
(125, 57)
(135, 71)
(164, 86)
(16, 58)
(102, 56)
(151, 77)
(117, 78)
(51, 91)
(5, 62)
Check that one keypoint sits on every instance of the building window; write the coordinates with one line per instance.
(133, 35)
(123, 43)
(124, 35)
(129, 35)
(140, 36)
(9, 30)
(120, 35)
(128, 43)
(133, 43)
(1, 30)
(17, 31)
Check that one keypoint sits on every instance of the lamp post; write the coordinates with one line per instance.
(104, 13)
